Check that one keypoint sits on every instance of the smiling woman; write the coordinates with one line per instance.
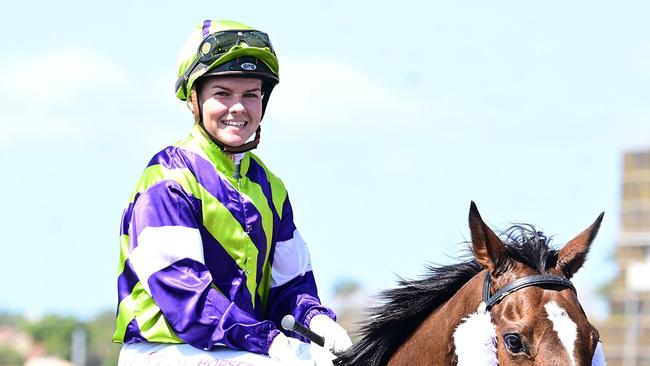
(231, 108)
(210, 255)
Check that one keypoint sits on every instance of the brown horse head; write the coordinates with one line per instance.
(541, 324)
(512, 303)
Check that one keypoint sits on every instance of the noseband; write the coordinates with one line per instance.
(518, 284)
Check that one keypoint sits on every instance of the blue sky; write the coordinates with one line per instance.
(389, 119)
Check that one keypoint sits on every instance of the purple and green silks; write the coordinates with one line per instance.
(209, 259)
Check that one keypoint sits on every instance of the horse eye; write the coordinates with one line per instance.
(514, 343)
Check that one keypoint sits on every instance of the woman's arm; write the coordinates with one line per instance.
(168, 259)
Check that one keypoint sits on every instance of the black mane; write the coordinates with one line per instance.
(405, 307)
(530, 247)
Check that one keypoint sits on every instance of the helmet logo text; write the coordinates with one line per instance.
(248, 66)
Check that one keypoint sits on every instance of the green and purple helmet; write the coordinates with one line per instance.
(227, 48)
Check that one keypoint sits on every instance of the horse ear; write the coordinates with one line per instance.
(488, 249)
(572, 256)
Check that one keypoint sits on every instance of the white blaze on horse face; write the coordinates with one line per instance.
(475, 340)
(566, 329)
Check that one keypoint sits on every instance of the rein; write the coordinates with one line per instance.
(518, 284)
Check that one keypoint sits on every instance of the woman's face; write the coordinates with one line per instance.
(231, 108)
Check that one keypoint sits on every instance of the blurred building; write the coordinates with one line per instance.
(626, 333)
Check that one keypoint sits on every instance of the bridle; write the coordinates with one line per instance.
(518, 284)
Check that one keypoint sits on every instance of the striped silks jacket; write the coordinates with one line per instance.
(207, 258)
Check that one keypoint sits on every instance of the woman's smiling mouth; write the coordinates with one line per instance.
(235, 123)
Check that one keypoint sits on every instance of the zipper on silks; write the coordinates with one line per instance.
(247, 228)
(238, 178)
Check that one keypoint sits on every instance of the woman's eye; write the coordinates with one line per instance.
(251, 95)
(513, 343)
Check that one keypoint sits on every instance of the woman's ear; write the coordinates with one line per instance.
(193, 102)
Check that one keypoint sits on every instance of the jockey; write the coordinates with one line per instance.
(210, 257)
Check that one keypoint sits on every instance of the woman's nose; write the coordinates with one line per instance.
(237, 107)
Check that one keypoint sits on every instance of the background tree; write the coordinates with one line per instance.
(10, 357)
(101, 350)
(54, 333)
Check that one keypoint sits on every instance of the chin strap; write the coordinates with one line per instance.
(250, 145)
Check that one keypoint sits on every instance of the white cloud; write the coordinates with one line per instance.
(59, 75)
(42, 98)
(40, 128)
(325, 92)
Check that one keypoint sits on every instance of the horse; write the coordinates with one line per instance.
(512, 303)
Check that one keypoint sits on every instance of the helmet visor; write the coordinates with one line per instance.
(219, 43)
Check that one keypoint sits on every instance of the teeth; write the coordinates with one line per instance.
(234, 123)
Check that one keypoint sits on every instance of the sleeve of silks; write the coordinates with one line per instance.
(599, 356)
(168, 258)
(293, 287)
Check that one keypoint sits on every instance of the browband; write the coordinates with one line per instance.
(518, 284)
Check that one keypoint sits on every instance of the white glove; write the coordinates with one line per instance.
(292, 352)
(337, 339)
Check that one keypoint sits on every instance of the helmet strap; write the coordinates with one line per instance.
(196, 109)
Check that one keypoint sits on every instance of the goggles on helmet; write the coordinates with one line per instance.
(219, 43)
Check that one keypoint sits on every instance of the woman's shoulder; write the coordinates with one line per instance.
(171, 156)
(184, 153)
(167, 167)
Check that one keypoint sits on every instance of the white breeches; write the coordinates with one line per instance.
(158, 354)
